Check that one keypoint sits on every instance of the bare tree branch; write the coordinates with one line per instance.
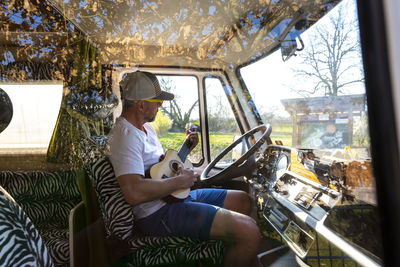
(173, 109)
(331, 55)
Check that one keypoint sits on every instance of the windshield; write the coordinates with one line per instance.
(316, 100)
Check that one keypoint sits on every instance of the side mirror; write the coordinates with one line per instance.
(289, 45)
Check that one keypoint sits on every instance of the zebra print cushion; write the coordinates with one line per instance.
(149, 250)
(116, 212)
(20, 243)
(46, 198)
(169, 250)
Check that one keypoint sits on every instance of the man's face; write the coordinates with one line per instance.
(150, 110)
(330, 129)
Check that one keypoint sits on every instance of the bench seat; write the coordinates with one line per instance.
(47, 198)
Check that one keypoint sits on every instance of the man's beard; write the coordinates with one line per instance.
(150, 119)
(150, 116)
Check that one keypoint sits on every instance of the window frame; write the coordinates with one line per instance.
(200, 74)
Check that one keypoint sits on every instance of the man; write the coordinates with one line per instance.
(332, 138)
(206, 213)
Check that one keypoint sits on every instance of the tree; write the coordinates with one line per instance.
(332, 56)
(269, 116)
(220, 117)
(173, 108)
(162, 124)
(361, 136)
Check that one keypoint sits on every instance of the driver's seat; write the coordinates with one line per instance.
(144, 250)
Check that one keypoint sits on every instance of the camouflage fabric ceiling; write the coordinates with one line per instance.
(187, 32)
(212, 34)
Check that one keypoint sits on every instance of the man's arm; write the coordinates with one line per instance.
(137, 189)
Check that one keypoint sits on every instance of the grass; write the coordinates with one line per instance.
(282, 132)
(219, 141)
(175, 140)
(282, 128)
(221, 138)
(172, 140)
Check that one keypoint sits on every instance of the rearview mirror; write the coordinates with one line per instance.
(289, 46)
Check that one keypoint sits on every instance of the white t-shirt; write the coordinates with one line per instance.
(133, 151)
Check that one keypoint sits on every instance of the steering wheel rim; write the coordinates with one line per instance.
(244, 165)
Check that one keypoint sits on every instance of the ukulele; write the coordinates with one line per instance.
(169, 166)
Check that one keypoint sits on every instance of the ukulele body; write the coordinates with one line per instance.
(168, 167)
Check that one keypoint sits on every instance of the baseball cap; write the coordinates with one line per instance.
(142, 85)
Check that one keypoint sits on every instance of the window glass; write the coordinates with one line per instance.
(174, 116)
(316, 103)
(36, 108)
(317, 98)
(221, 122)
(6, 110)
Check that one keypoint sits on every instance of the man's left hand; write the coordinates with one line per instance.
(194, 139)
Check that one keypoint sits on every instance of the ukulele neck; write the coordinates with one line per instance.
(184, 150)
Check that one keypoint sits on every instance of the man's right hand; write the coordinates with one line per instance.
(137, 189)
(188, 177)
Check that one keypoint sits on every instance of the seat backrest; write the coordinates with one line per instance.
(20, 243)
(116, 212)
(45, 196)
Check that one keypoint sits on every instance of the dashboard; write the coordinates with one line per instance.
(304, 193)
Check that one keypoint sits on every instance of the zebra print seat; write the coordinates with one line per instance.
(20, 243)
(146, 250)
(46, 198)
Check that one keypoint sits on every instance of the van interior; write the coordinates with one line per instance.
(293, 102)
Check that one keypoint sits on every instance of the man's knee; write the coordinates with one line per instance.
(249, 230)
(238, 201)
(234, 227)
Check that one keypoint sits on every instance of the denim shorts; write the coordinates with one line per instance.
(192, 217)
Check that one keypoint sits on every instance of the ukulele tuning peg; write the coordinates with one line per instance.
(190, 127)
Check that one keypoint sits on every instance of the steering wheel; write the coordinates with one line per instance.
(244, 165)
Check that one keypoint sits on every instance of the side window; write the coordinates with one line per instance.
(6, 110)
(175, 115)
(221, 121)
(35, 109)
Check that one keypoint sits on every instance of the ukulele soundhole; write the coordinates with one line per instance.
(174, 165)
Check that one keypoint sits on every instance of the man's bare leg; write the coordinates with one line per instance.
(241, 234)
(238, 201)
(239, 230)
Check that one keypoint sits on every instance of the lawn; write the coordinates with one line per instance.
(282, 132)
(219, 141)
